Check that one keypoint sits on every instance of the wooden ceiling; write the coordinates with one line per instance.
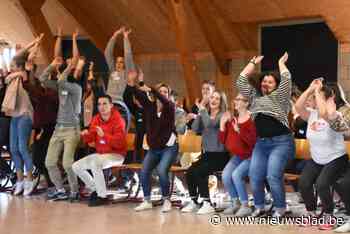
(234, 22)
(184, 28)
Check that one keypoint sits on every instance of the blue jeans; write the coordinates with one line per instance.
(233, 178)
(269, 158)
(20, 130)
(162, 160)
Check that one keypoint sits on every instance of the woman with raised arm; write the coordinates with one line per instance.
(22, 119)
(119, 68)
(94, 87)
(214, 156)
(328, 153)
(238, 134)
(270, 97)
(159, 116)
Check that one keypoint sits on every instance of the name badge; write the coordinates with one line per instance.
(64, 92)
(102, 142)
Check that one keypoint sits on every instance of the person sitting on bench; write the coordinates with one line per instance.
(107, 132)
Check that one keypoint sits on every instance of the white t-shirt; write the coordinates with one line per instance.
(325, 143)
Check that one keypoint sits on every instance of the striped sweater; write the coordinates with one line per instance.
(276, 104)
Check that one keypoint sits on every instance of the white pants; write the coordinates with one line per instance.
(96, 163)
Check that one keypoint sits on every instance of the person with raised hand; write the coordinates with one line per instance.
(119, 68)
(159, 117)
(270, 94)
(327, 147)
(94, 87)
(22, 118)
(67, 130)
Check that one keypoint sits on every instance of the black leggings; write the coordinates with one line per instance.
(324, 177)
(198, 174)
(342, 187)
(40, 150)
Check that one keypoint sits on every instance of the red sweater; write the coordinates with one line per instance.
(114, 139)
(240, 144)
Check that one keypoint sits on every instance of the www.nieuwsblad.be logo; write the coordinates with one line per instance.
(217, 219)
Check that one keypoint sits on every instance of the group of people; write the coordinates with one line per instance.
(250, 140)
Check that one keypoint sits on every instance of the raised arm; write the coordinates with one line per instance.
(128, 57)
(285, 87)
(300, 105)
(79, 68)
(242, 82)
(75, 51)
(26, 49)
(320, 101)
(63, 76)
(109, 51)
(58, 43)
(47, 72)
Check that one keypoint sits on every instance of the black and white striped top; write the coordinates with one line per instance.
(276, 104)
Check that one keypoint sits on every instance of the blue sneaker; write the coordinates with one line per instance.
(57, 195)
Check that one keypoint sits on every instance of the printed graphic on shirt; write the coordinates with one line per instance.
(318, 125)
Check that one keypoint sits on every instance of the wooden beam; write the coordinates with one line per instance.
(179, 22)
(212, 33)
(97, 32)
(37, 21)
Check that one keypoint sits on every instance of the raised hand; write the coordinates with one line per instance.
(257, 59)
(75, 34)
(145, 88)
(225, 117)
(119, 31)
(126, 32)
(57, 61)
(283, 59)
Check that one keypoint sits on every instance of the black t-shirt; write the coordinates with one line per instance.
(267, 126)
(300, 127)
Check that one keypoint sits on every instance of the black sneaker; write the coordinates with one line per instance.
(99, 201)
(93, 196)
(74, 197)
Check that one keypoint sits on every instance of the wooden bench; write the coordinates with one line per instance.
(189, 143)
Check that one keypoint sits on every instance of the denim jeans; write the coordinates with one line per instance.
(269, 158)
(162, 160)
(20, 130)
(233, 178)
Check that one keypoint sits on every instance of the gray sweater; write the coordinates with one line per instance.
(118, 80)
(209, 129)
(69, 94)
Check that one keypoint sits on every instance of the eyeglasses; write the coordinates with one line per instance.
(241, 99)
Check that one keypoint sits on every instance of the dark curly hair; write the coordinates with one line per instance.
(256, 79)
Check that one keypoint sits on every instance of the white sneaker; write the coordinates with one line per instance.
(145, 205)
(190, 207)
(206, 208)
(343, 228)
(166, 206)
(28, 187)
(19, 186)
